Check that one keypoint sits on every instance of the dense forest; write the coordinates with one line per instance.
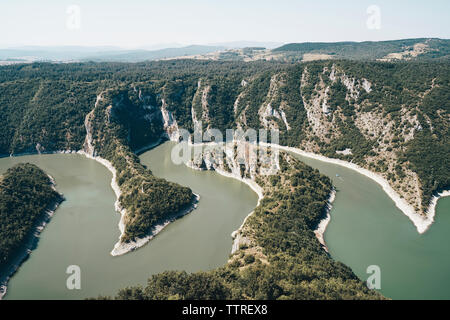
(26, 192)
(47, 103)
(279, 258)
(391, 116)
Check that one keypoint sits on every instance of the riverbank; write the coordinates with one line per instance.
(257, 189)
(319, 232)
(323, 224)
(252, 184)
(121, 248)
(422, 223)
(30, 243)
(235, 235)
(116, 190)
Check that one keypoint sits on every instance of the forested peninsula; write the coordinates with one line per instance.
(27, 201)
(278, 255)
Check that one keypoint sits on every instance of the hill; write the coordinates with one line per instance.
(407, 49)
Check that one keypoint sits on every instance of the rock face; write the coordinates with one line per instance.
(371, 124)
(323, 108)
(170, 124)
(337, 108)
(340, 107)
(239, 159)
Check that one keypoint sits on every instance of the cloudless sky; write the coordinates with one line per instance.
(139, 23)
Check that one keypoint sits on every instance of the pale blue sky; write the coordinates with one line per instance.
(139, 23)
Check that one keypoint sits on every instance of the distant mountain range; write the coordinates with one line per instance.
(72, 53)
(407, 49)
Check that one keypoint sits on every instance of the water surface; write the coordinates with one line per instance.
(84, 229)
(366, 228)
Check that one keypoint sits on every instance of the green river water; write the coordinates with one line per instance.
(84, 229)
(366, 229)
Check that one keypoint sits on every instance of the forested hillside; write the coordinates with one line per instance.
(407, 49)
(116, 124)
(391, 118)
(26, 192)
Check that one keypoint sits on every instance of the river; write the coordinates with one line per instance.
(365, 229)
(84, 229)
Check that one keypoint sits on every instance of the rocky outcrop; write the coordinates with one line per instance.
(170, 123)
(267, 112)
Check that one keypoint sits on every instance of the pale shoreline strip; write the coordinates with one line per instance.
(421, 223)
(319, 232)
(323, 224)
(121, 248)
(252, 184)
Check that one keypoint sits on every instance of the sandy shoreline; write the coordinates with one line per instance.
(122, 248)
(252, 184)
(116, 190)
(319, 232)
(323, 224)
(148, 147)
(421, 223)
